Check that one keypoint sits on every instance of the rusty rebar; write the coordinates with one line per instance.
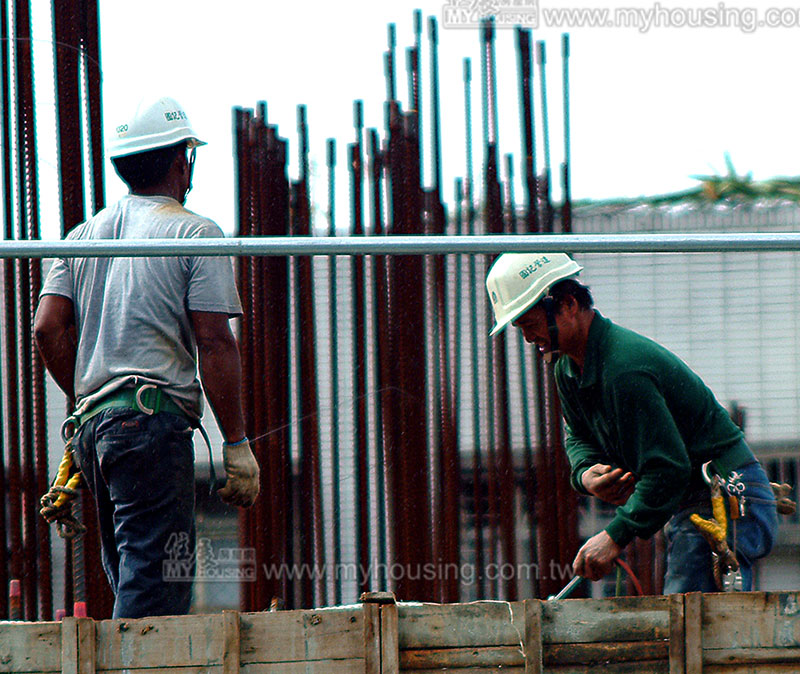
(566, 205)
(93, 72)
(378, 317)
(245, 274)
(361, 458)
(334, 378)
(28, 206)
(477, 462)
(11, 536)
(528, 126)
(545, 184)
(310, 497)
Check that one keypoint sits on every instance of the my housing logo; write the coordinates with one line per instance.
(506, 13)
(206, 563)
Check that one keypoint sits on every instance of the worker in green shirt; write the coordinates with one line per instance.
(640, 427)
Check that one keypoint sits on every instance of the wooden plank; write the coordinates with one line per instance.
(69, 645)
(677, 635)
(752, 656)
(555, 655)
(614, 668)
(175, 641)
(348, 666)
(693, 631)
(476, 670)
(729, 620)
(298, 636)
(534, 662)
(372, 638)
(231, 646)
(30, 647)
(459, 658)
(617, 652)
(593, 620)
(87, 648)
(390, 649)
(172, 670)
(481, 623)
(774, 668)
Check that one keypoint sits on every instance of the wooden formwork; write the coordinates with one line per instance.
(742, 633)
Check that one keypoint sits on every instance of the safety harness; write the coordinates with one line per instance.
(725, 564)
(56, 504)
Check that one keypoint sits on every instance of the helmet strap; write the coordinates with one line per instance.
(549, 306)
(190, 160)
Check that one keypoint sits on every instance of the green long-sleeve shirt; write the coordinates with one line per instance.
(638, 406)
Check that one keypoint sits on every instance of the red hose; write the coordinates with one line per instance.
(632, 576)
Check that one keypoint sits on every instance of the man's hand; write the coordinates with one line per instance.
(596, 558)
(609, 484)
(241, 468)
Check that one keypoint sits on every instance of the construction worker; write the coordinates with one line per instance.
(640, 425)
(123, 338)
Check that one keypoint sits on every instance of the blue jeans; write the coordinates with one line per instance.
(689, 566)
(140, 469)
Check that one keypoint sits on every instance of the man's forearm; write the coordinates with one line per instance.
(221, 373)
(58, 350)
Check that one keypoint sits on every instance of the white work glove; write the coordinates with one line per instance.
(241, 469)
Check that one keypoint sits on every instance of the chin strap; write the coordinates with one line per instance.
(190, 159)
(549, 305)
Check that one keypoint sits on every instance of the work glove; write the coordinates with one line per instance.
(241, 469)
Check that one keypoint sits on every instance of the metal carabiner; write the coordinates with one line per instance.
(705, 470)
(70, 422)
(142, 407)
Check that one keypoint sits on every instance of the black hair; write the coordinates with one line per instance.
(147, 169)
(571, 287)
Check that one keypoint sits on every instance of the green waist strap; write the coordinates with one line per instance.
(146, 399)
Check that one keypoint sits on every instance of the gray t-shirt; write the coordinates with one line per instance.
(132, 314)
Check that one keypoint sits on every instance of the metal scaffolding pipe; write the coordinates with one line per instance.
(756, 242)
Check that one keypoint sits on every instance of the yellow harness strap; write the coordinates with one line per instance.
(715, 531)
(57, 502)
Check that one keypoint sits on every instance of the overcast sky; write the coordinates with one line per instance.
(650, 105)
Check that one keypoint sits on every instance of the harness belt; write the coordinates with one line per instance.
(147, 399)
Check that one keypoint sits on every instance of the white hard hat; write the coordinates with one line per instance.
(517, 281)
(154, 124)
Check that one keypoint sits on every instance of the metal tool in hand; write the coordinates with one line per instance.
(567, 590)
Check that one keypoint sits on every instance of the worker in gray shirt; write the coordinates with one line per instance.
(123, 337)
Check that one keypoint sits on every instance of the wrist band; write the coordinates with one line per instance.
(236, 444)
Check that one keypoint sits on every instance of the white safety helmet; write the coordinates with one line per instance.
(517, 281)
(154, 124)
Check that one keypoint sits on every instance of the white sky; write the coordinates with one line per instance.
(649, 108)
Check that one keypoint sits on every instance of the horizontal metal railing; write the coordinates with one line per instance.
(406, 245)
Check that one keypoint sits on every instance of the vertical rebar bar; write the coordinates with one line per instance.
(11, 536)
(93, 77)
(528, 127)
(546, 183)
(477, 463)
(28, 215)
(359, 355)
(276, 281)
(566, 206)
(243, 219)
(334, 376)
(311, 532)
(378, 322)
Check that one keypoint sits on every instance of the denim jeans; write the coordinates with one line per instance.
(140, 469)
(689, 567)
